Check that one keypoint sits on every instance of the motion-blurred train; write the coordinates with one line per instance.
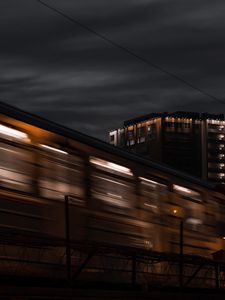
(114, 197)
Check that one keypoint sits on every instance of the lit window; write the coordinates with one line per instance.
(130, 133)
(141, 139)
(141, 130)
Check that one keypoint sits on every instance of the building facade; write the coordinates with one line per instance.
(191, 142)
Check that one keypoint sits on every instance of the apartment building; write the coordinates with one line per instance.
(189, 141)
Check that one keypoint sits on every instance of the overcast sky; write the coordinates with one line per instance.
(50, 67)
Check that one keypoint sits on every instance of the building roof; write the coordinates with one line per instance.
(37, 121)
(143, 118)
(176, 114)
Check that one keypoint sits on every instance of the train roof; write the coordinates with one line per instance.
(43, 123)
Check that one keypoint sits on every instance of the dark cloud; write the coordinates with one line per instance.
(60, 71)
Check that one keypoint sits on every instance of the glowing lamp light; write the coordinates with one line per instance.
(223, 238)
(10, 132)
(110, 165)
(53, 149)
(175, 211)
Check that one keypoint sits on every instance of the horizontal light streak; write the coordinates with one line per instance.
(110, 165)
(151, 181)
(182, 189)
(194, 221)
(114, 195)
(13, 132)
(150, 205)
(111, 181)
(53, 149)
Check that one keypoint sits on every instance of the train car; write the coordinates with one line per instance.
(115, 197)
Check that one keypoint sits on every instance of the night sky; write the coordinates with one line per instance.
(53, 68)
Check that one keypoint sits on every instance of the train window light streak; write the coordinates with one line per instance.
(112, 199)
(53, 149)
(110, 180)
(110, 165)
(187, 192)
(115, 200)
(194, 221)
(10, 132)
(182, 189)
(114, 195)
(151, 181)
(150, 205)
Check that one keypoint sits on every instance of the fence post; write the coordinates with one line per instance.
(217, 277)
(67, 235)
(181, 253)
(133, 270)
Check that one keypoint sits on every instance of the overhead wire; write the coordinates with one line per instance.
(130, 52)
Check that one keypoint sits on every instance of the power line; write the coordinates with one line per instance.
(130, 52)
